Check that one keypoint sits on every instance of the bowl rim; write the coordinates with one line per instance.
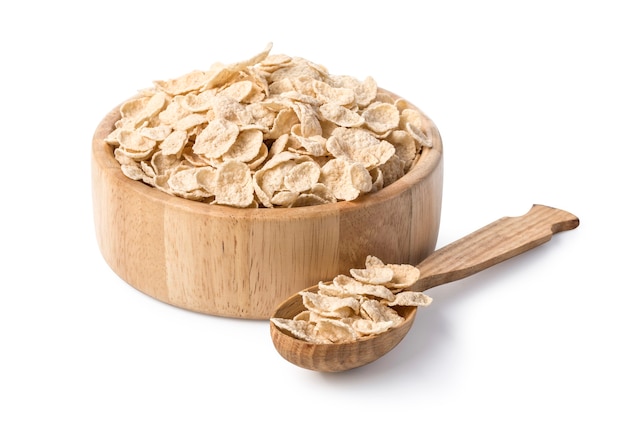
(102, 156)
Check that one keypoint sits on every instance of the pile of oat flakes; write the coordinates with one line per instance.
(271, 131)
(356, 306)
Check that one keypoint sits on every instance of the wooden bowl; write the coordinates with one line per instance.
(242, 263)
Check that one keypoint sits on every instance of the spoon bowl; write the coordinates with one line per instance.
(335, 357)
(494, 243)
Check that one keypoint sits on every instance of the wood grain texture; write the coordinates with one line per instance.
(494, 243)
(488, 246)
(241, 263)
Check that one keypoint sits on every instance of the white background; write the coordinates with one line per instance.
(530, 100)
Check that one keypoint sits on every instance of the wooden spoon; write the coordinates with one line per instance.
(497, 242)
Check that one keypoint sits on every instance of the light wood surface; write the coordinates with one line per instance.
(494, 243)
(241, 263)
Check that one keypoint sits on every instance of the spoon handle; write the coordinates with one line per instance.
(492, 244)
